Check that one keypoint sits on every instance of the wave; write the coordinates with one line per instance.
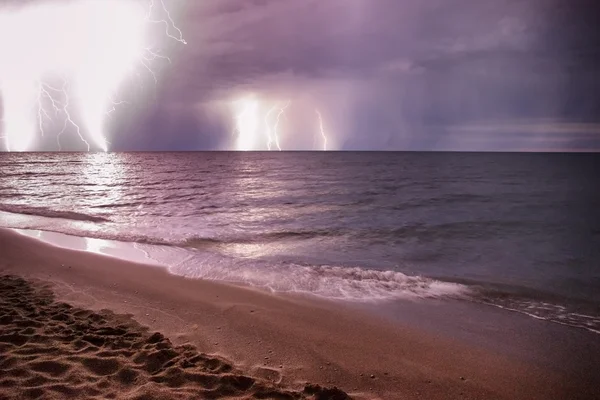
(575, 314)
(50, 213)
(555, 313)
(124, 205)
(351, 283)
(421, 232)
(359, 284)
(332, 282)
(390, 235)
(202, 242)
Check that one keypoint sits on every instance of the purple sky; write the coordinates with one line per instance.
(386, 74)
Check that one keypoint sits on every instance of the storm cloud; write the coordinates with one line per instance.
(386, 74)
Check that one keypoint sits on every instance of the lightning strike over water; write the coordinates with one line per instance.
(247, 112)
(275, 130)
(68, 120)
(268, 128)
(272, 129)
(322, 130)
(93, 44)
(246, 124)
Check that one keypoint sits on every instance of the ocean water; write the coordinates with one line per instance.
(517, 231)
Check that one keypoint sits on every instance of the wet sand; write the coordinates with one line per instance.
(219, 340)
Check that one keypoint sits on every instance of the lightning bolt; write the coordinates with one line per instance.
(275, 130)
(168, 22)
(272, 129)
(115, 104)
(44, 93)
(68, 120)
(246, 124)
(48, 93)
(268, 127)
(322, 130)
(95, 96)
(19, 97)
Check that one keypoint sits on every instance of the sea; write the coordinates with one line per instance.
(519, 231)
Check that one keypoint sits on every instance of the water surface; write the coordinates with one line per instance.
(519, 231)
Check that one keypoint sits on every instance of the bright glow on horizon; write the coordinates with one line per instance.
(246, 123)
(247, 118)
(18, 97)
(89, 45)
(273, 131)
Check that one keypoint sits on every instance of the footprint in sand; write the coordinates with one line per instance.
(269, 374)
(52, 350)
(52, 368)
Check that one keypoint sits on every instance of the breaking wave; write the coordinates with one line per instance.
(332, 282)
(207, 258)
(368, 285)
(50, 213)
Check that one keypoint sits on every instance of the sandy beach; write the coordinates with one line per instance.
(81, 325)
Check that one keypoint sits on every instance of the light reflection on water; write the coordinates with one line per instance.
(122, 250)
(105, 174)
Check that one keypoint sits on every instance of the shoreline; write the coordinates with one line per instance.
(568, 312)
(288, 339)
